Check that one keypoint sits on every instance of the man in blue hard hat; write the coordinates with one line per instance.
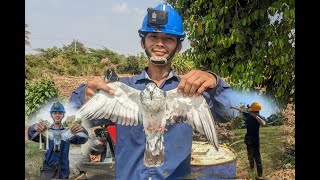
(161, 37)
(53, 155)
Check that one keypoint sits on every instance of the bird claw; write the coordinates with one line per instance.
(149, 129)
(162, 129)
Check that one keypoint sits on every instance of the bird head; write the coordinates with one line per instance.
(151, 87)
(152, 98)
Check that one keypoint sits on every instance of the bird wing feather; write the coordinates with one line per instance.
(122, 108)
(194, 111)
(66, 134)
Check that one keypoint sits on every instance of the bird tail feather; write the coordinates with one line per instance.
(154, 152)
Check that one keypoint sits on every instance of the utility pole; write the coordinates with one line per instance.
(75, 46)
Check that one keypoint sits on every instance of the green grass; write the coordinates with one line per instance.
(271, 149)
(33, 159)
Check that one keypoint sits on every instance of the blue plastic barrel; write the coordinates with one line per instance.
(209, 164)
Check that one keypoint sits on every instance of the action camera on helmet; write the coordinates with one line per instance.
(157, 17)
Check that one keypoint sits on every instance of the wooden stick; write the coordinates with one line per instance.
(47, 142)
(40, 141)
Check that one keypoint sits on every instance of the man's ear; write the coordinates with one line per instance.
(179, 47)
(142, 44)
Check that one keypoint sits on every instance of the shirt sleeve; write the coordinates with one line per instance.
(218, 99)
(77, 97)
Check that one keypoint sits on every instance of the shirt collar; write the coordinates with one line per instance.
(52, 127)
(144, 75)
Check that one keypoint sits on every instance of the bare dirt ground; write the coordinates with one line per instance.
(67, 84)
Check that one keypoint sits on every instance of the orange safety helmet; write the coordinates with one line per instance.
(256, 106)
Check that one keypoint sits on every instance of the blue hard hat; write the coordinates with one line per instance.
(173, 23)
(57, 107)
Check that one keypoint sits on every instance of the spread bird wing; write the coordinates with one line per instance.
(122, 108)
(65, 134)
(194, 111)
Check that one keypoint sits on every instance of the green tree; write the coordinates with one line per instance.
(50, 53)
(37, 94)
(182, 64)
(75, 47)
(26, 33)
(238, 39)
(133, 64)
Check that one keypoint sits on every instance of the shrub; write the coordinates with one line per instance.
(181, 64)
(37, 94)
(275, 119)
(289, 128)
(237, 123)
(132, 65)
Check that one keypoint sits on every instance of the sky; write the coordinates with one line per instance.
(247, 98)
(99, 24)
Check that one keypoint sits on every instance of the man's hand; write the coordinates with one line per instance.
(94, 85)
(40, 127)
(76, 128)
(196, 82)
(253, 114)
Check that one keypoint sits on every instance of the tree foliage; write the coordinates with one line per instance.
(38, 93)
(68, 60)
(75, 59)
(133, 64)
(182, 64)
(238, 39)
(26, 34)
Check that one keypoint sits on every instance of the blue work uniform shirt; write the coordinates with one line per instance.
(52, 157)
(131, 140)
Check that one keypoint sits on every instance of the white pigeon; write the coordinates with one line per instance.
(153, 108)
(65, 135)
(57, 135)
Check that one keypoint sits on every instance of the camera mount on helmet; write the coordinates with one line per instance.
(157, 17)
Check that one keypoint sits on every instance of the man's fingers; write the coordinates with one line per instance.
(186, 82)
(204, 86)
(90, 92)
(97, 84)
(107, 89)
(73, 128)
(76, 128)
(39, 127)
(196, 82)
(197, 86)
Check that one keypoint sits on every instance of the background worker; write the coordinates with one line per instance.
(253, 121)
